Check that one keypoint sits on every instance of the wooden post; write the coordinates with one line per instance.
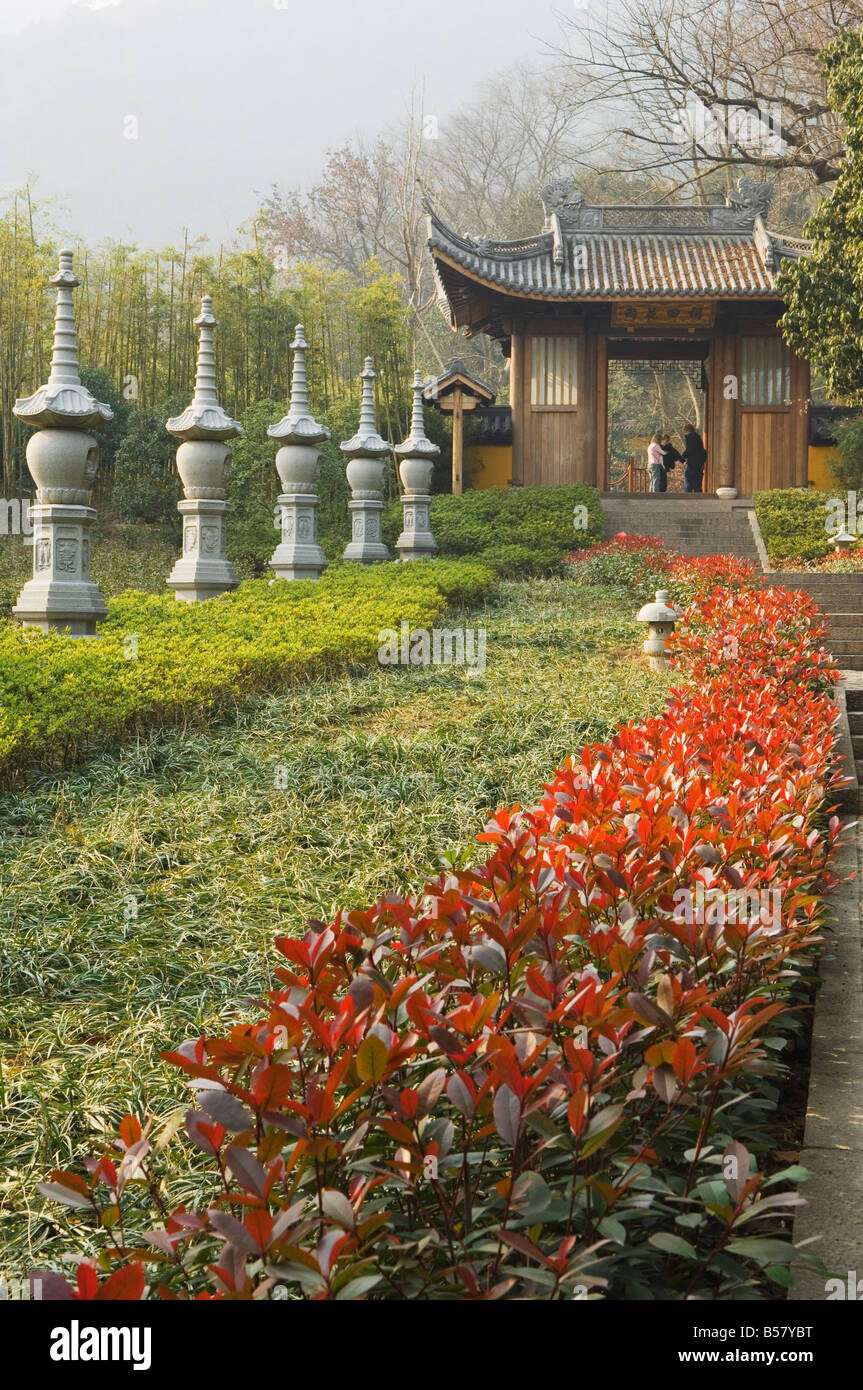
(516, 396)
(723, 411)
(457, 441)
(600, 407)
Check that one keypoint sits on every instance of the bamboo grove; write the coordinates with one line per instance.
(135, 314)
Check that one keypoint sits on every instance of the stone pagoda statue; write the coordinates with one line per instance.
(366, 453)
(204, 462)
(417, 459)
(298, 462)
(63, 458)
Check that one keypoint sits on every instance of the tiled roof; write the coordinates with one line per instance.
(608, 263)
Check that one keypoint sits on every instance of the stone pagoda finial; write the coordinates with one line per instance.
(63, 402)
(417, 444)
(205, 418)
(299, 426)
(367, 441)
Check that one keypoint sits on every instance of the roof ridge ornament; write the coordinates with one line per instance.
(205, 418)
(751, 199)
(299, 425)
(63, 402)
(563, 200)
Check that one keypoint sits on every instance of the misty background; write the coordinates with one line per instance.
(228, 97)
(280, 155)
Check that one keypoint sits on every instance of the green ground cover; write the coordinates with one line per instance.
(792, 523)
(142, 890)
(158, 661)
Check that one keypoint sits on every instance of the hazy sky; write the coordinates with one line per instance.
(145, 116)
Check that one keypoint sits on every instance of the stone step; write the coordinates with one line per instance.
(688, 499)
(841, 646)
(854, 701)
(840, 584)
(700, 526)
(851, 663)
(855, 718)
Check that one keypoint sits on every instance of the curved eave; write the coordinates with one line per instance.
(551, 296)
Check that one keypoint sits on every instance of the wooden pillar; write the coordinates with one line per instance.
(601, 412)
(722, 410)
(516, 398)
(457, 442)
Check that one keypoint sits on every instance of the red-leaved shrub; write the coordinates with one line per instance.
(539, 1078)
(645, 563)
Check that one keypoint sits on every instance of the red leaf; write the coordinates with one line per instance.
(125, 1285)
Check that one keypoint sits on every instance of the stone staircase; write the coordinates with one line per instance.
(854, 705)
(690, 523)
(697, 524)
(840, 598)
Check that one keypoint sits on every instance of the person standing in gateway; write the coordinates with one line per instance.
(655, 464)
(694, 458)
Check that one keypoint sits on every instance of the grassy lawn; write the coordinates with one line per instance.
(142, 891)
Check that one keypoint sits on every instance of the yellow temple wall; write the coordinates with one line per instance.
(489, 465)
(820, 458)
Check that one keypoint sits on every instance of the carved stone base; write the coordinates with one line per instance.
(203, 570)
(61, 594)
(298, 556)
(416, 541)
(366, 545)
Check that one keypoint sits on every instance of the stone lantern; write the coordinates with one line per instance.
(661, 617)
(298, 556)
(63, 458)
(417, 459)
(204, 462)
(366, 453)
(843, 541)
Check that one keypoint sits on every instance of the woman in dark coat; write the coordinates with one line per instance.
(670, 456)
(694, 458)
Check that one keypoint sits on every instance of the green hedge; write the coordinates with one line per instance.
(157, 661)
(516, 531)
(793, 523)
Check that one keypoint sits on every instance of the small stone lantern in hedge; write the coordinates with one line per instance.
(661, 617)
(416, 463)
(843, 541)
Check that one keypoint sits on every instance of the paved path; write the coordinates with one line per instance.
(831, 1223)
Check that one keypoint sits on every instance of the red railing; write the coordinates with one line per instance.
(632, 479)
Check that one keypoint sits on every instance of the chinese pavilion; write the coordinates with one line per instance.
(599, 284)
